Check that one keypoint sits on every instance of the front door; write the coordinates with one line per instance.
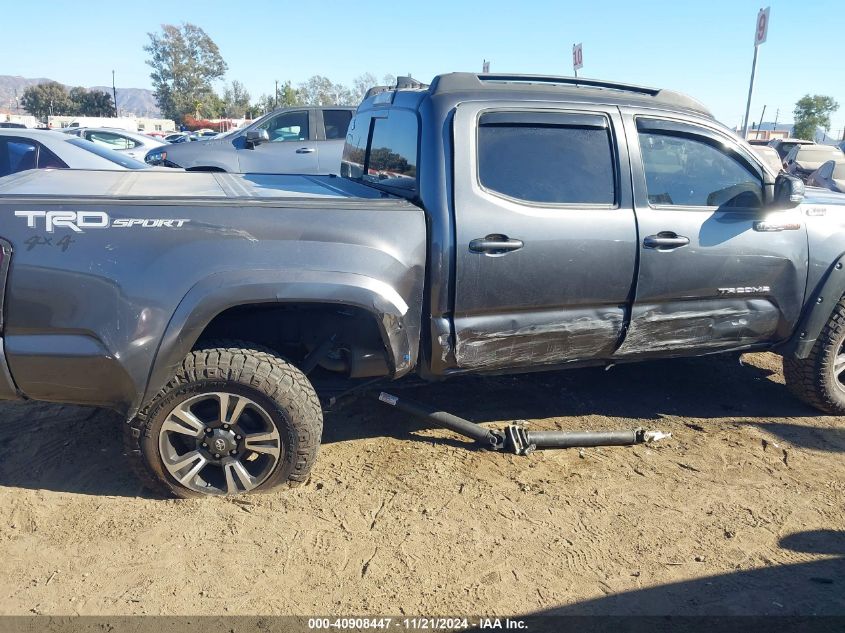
(291, 148)
(713, 275)
(545, 235)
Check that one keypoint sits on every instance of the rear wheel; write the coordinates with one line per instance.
(234, 419)
(819, 379)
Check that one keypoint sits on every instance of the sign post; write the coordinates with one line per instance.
(577, 58)
(760, 32)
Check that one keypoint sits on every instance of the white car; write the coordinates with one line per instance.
(44, 149)
(134, 144)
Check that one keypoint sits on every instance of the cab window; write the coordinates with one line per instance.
(682, 169)
(287, 126)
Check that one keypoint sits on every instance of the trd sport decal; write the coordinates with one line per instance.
(78, 221)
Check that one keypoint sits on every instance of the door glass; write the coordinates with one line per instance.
(17, 155)
(288, 126)
(336, 122)
(546, 163)
(392, 159)
(112, 141)
(687, 171)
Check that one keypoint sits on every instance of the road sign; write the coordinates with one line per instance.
(577, 57)
(762, 26)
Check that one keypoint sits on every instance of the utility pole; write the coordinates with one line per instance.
(276, 100)
(759, 37)
(114, 93)
(760, 122)
(777, 113)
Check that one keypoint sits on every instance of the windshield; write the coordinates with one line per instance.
(120, 159)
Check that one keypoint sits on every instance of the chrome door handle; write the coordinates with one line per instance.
(305, 150)
(665, 240)
(495, 244)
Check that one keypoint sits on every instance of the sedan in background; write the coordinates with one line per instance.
(803, 160)
(785, 145)
(43, 149)
(134, 144)
(831, 176)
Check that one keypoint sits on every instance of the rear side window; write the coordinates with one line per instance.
(382, 151)
(392, 156)
(111, 141)
(547, 158)
(336, 122)
(18, 154)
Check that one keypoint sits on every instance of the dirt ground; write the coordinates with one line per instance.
(740, 512)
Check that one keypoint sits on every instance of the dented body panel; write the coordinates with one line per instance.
(103, 315)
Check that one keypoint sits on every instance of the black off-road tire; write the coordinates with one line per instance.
(812, 379)
(239, 367)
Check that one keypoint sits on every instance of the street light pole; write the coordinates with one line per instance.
(114, 93)
(750, 92)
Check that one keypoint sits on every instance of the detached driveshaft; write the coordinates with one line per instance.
(516, 438)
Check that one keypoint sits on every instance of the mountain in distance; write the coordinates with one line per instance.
(137, 101)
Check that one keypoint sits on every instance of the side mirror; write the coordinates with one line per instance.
(256, 137)
(789, 192)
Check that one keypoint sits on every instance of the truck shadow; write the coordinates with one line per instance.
(796, 590)
(78, 449)
(715, 387)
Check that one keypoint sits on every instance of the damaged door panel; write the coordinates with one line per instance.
(546, 240)
(708, 279)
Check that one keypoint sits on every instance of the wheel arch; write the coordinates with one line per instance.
(221, 292)
(818, 307)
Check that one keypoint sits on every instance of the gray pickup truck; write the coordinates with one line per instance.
(484, 223)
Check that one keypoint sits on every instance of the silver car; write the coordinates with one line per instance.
(300, 140)
(134, 144)
(43, 149)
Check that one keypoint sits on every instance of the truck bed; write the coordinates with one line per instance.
(180, 185)
(114, 273)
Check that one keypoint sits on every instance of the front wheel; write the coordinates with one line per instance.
(234, 419)
(819, 379)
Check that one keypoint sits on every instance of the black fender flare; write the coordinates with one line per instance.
(221, 291)
(817, 311)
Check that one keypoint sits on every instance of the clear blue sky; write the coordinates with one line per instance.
(702, 47)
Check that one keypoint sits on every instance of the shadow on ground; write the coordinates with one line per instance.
(814, 588)
(79, 449)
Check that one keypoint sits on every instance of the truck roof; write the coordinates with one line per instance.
(501, 86)
(173, 184)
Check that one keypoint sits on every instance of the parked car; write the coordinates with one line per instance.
(10, 125)
(483, 224)
(44, 149)
(803, 160)
(134, 144)
(784, 145)
(769, 156)
(831, 176)
(306, 140)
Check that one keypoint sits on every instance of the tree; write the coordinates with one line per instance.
(235, 100)
(46, 99)
(812, 113)
(319, 90)
(362, 83)
(185, 62)
(91, 103)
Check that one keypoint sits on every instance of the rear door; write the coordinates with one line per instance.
(545, 234)
(292, 147)
(716, 272)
